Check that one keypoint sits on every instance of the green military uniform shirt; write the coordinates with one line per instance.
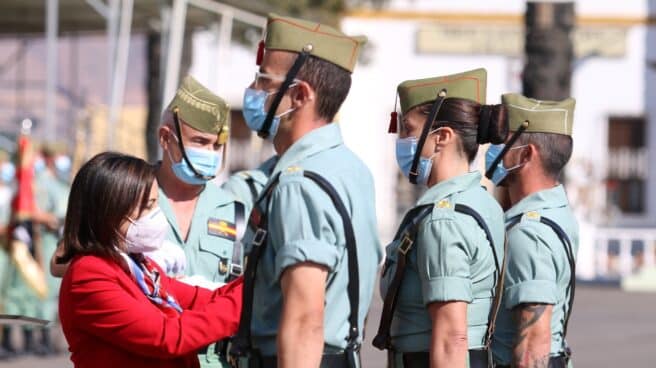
(247, 185)
(52, 197)
(209, 244)
(538, 269)
(212, 233)
(304, 226)
(451, 260)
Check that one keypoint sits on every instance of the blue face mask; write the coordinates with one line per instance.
(405, 153)
(39, 165)
(206, 162)
(254, 114)
(7, 172)
(63, 167)
(500, 172)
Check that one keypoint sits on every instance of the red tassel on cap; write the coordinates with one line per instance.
(393, 128)
(260, 53)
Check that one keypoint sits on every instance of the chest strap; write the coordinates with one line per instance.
(242, 344)
(250, 182)
(407, 234)
(236, 262)
(569, 251)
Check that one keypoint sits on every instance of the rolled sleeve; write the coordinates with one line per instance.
(447, 289)
(443, 262)
(534, 291)
(305, 226)
(531, 273)
(306, 251)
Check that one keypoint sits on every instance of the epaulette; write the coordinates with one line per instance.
(443, 209)
(531, 216)
(291, 173)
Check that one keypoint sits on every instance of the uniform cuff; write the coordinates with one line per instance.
(532, 291)
(445, 289)
(306, 251)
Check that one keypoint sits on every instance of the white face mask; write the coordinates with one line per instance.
(147, 233)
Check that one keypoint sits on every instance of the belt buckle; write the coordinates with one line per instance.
(406, 244)
(236, 270)
(259, 237)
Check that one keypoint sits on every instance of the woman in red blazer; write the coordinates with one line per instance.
(117, 308)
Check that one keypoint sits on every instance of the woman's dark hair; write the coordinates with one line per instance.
(104, 192)
(474, 123)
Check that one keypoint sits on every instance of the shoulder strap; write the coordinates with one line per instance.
(242, 341)
(500, 270)
(572, 268)
(353, 286)
(236, 268)
(248, 179)
(569, 251)
(407, 233)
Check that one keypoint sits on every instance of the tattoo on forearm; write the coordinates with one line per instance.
(526, 316)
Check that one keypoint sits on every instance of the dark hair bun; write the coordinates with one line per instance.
(492, 124)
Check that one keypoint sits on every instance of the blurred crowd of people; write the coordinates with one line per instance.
(51, 183)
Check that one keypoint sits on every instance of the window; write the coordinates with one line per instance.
(627, 164)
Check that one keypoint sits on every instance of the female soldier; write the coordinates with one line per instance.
(442, 268)
(117, 308)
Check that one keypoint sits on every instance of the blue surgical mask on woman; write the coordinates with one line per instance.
(206, 163)
(254, 113)
(500, 172)
(405, 153)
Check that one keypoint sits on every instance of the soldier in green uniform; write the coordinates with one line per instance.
(247, 185)
(205, 219)
(21, 299)
(52, 188)
(442, 269)
(307, 285)
(542, 234)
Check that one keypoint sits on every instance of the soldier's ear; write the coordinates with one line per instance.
(164, 133)
(302, 93)
(442, 137)
(529, 153)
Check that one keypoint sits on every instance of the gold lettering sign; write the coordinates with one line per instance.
(502, 39)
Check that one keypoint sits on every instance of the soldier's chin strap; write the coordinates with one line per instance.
(490, 171)
(178, 133)
(435, 108)
(289, 79)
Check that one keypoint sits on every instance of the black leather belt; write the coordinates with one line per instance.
(220, 348)
(338, 360)
(554, 362)
(477, 359)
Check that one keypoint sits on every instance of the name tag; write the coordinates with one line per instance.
(222, 229)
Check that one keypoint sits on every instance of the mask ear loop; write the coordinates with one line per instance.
(178, 132)
(424, 134)
(490, 171)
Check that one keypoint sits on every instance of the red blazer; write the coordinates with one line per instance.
(109, 322)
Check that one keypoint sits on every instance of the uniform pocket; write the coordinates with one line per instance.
(214, 258)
